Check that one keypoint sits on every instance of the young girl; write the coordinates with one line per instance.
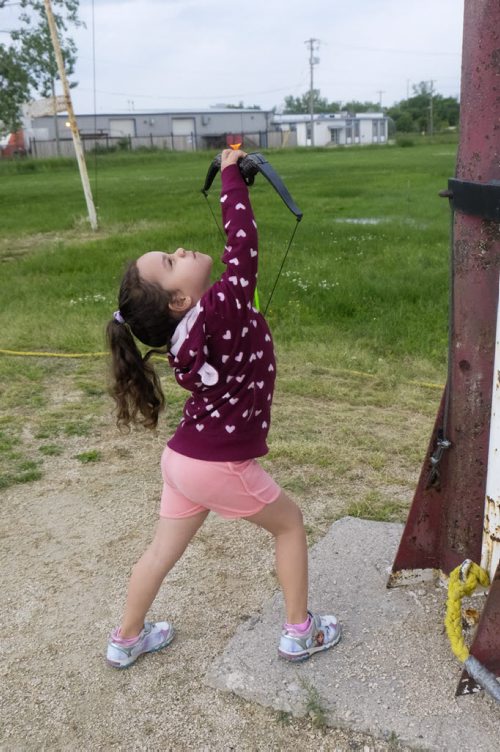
(221, 351)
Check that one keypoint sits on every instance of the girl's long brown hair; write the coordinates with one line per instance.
(135, 385)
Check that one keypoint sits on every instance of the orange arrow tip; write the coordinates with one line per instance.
(234, 146)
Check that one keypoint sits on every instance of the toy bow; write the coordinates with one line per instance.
(249, 167)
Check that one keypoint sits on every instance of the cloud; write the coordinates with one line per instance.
(164, 54)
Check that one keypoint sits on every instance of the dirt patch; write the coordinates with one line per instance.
(68, 543)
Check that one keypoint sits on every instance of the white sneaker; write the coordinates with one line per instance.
(153, 637)
(323, 633)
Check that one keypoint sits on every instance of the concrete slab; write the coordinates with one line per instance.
(392, 675)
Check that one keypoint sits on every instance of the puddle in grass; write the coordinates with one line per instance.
(379, 220)
(360, 221)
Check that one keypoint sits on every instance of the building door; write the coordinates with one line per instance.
(183, 134)
(123, 127)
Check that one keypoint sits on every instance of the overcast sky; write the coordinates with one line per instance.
(174, 54)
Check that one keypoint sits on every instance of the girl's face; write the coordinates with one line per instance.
(184, 273)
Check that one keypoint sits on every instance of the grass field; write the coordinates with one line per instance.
(362, 300)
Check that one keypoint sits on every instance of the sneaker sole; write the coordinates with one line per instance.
(297, 657)
(121, 666)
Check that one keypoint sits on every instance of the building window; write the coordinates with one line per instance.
(375, 124)
(356, 132)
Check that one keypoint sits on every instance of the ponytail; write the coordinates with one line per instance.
(145, 313)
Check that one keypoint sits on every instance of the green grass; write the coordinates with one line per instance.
(376, 506)
(360, 309)
(381, 287)
(315, 709)
(50, 450)
(92, 455)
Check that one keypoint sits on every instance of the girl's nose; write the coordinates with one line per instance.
(180, 252)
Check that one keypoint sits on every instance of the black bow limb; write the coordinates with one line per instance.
(249, 166)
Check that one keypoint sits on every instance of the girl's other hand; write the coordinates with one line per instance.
(231, 156)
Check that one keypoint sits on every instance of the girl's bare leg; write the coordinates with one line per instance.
(169, 543)
(283, 519)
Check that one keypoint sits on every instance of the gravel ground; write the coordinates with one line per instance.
(68, 543)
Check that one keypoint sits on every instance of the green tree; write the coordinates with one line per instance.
(355, 106)
(14, 89)
(241, 106)
(34, 43)
(300, 105)
(447, 112)
(414, 114)
(33, 50)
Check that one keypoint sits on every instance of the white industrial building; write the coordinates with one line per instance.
(335, 129)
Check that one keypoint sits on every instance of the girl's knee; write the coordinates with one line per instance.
(293, 517)
(281, 516)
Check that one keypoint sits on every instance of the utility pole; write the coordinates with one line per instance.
(431, 110)
(313, 45)
(71, 117)
(380, 92)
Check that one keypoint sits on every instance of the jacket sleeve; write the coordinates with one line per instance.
(240, 252)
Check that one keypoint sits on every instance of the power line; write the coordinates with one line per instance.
(399, 52)
(194, 96)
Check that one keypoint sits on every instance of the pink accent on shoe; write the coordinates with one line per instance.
(125, 641)
(299, 629)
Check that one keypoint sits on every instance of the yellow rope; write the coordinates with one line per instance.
(463, 581)
(338, 371)
(52, 355)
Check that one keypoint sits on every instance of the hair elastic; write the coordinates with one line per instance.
(118, 317)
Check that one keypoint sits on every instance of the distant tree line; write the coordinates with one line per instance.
(409, 116)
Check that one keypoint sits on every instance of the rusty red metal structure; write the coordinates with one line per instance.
(445, 523)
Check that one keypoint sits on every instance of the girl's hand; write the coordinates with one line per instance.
(231, 156)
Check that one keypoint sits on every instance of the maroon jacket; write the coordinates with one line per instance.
(223, 351)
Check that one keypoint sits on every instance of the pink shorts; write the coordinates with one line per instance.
(232, 489)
